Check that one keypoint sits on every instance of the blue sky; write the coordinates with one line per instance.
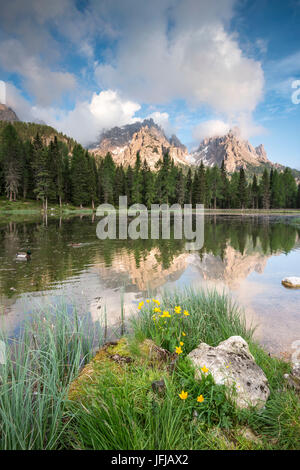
(198, 67)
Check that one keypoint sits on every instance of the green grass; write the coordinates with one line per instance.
(35, 377)
(28, 206)
(113, 406)
(126, 414)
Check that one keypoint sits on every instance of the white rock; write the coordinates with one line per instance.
(292, 281)
(232, 364)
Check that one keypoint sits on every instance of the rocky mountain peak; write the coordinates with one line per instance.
(233, 149)
(7, 114)
(144, 136)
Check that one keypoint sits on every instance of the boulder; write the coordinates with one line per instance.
(293, 379)
(231, 364)
(292, 281)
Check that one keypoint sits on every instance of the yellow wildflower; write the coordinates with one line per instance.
(183, 334)
(157, 310)
(177, 309)
(147, 301)
(178, 350)
(157, 302)
(183, 395)
(186, 313)
(204, 369)
(165, 314)
(181, 343)
(140, 305)
(200, 399)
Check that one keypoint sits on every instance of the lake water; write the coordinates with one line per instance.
(246, 256)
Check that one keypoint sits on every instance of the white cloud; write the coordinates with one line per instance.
(212, 128)
(89, 118)
(217, 128)
(2, 92)
(111, 110)
(162, 119)
(46, 85)
(161, 51)
(196, 59)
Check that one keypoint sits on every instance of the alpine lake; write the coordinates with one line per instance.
(246, 256)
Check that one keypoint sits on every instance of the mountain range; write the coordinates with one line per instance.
(151, 141)
(146, 137)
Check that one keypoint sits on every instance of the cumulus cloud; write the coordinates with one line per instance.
(196, 59)
(212, 128)
(153, 53)
(89, 118)
(217, 128)
(46, 85)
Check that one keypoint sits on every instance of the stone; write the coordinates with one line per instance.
(248, 434)
(292, 281)
(293, 379)
(231, 364)
(159, 386)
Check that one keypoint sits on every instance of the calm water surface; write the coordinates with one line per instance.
(246, 256)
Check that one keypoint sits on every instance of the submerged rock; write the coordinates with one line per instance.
(292, 281)
(231, 364)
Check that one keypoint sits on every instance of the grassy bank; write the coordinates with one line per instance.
(113, 405)
(28, 206)
(35, 207)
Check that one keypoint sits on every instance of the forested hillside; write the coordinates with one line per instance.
(36, 162)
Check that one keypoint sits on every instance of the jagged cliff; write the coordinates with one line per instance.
(236, 152)
(146, 137)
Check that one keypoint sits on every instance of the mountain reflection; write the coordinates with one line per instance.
(233, 248)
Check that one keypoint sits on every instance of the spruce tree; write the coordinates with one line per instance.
(137, 185)
(265, 189)
(12, 155)
(79, 177)
(242, 189)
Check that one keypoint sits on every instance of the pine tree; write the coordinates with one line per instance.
(277, 196)
(215, 184)
(107, 178)
(129, 184)
(224, 186)
(79, 177)
(242, 189)
(12, 160)
(290, 188)
(137, 186)
(254, 192)
(148, 185)
(265, 189)
(43, 177)
(165, 180)
(180, 188)
(92, 177)
(189, 188)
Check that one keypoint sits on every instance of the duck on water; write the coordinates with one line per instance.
(24, 256)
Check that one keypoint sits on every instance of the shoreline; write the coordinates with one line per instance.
(105, 401)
